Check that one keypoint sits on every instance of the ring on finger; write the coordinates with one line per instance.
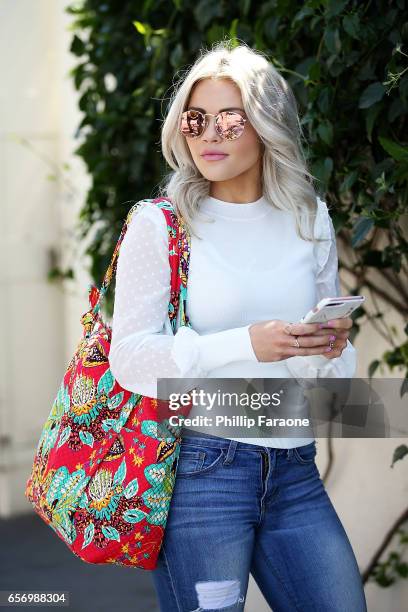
(296, 343)
(287, 329)
(331, 344)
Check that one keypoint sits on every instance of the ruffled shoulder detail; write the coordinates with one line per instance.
(148, 208)
(322, 229)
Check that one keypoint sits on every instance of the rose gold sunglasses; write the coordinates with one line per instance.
(229, 125)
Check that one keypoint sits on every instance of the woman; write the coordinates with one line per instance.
(240, 505)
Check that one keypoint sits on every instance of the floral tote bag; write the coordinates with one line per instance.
(105, 465)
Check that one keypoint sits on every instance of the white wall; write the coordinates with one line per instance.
(31, 308)
(39, 200)
(39, 322)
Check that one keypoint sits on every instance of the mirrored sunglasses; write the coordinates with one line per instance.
(228, 124)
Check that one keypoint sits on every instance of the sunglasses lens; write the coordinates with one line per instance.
(192, 123)
(230, 125)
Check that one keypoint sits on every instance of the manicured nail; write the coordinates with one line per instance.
(328, 349)
(332, 337)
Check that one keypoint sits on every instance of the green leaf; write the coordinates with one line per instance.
(77, 46)
(394, 149)
(349, 181)
(332, 40)
(176, 56)
(402, 569)
(315, 71)
(360, 230)
(351, 24)
(325, 131)
(271, 28)
(404, 387)
(205, 11)
(371, 94)
(335, 7)
(370, 118)
(140, 27)
(323, 100)
(399, 453)
(373, 367)
(305, 11)
(245, 7)
(233, 28)
(322, 169)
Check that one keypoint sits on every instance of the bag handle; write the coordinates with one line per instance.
(96, 295)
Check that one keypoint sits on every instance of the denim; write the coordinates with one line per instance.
(240, 508)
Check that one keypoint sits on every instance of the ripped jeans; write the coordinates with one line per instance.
(239, 508)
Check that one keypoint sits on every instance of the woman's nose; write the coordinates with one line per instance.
(210, 130)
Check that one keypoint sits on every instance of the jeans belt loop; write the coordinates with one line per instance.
(231, 452)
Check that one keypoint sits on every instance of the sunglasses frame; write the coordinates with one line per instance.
(216, 127)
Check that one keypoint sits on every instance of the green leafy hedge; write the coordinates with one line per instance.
(347, 64)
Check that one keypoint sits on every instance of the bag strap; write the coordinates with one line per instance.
(96, 295)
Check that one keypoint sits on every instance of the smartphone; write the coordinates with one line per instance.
(333, 308)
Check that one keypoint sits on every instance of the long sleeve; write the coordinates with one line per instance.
(143, 349)
(328, 285)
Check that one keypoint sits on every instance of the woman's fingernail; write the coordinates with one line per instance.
(328, 349)
(332, 337)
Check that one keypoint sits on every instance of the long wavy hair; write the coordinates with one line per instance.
(271, 108)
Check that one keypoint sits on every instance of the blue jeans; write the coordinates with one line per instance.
(239, 508)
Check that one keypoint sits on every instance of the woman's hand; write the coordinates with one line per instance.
(341, 329)
(275, 340)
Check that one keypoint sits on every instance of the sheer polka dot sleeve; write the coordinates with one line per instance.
(143, 347)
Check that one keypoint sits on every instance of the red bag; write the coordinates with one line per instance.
(104, 469)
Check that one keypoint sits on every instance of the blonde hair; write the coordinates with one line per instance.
(271, 108)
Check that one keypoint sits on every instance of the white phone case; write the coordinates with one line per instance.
(333, 308)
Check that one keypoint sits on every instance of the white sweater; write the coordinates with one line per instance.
(249, 266)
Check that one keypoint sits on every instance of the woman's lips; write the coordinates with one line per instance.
(215, 157)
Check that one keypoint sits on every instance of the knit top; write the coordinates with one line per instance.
(249, 266)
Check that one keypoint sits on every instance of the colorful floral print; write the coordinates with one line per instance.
(105, 465)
